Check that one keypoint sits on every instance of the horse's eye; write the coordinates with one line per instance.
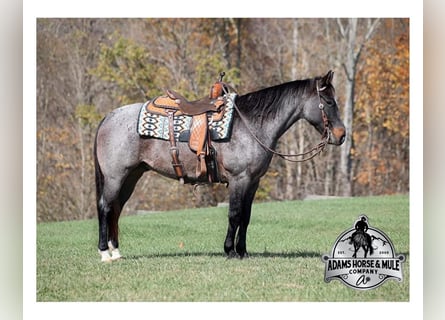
(330, 101)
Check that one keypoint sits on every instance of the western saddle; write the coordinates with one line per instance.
(174, 104)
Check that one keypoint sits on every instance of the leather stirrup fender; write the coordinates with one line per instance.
(174, 151)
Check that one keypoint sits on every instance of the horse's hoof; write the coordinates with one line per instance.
(245, 255)
(105, 256)
(232, 254)
(115, 255)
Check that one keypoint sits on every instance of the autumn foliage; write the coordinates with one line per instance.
(381, 130)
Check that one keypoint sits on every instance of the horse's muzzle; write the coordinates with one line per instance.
(337, 136)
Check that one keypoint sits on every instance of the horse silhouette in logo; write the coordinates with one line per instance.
(360, 239)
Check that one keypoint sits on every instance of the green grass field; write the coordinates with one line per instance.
(178, 255)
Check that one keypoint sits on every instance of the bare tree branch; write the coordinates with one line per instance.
(341, 28)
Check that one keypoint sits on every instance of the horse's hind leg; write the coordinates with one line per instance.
(118, 196)
(124, 194)
(113, 230)
(108, 215)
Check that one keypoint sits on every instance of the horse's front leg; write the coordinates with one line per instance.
(234, 222)
(241, 198)
(241, 248)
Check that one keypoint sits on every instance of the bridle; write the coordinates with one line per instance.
(324, 117)
(308, 155)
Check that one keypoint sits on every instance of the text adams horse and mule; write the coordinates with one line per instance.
(239, 159)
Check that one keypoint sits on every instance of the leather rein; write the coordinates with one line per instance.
(308, 155)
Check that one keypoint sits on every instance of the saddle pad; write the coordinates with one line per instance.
(156, 125)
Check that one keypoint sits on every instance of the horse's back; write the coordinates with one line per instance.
(120, 120)
(123, 115)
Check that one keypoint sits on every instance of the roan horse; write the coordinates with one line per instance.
(262, 117)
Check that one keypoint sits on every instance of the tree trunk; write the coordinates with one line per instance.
(292, 179)
(349, 34)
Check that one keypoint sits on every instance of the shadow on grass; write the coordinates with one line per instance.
(266, 254)
(298, 254)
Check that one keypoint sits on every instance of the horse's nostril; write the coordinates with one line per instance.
(340, 135)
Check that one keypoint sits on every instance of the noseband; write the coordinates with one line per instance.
(308, 155)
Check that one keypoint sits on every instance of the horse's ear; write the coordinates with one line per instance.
(331, 75)
(327, 79)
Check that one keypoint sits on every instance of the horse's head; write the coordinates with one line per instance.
(322, 110)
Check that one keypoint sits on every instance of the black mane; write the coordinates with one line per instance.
(262, 104)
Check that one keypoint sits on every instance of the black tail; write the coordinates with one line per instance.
(98, 172)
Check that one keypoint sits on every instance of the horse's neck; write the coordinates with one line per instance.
(289, 112)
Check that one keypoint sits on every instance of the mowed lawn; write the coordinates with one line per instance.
(178, 255)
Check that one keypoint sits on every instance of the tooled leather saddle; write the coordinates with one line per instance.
(174, 106)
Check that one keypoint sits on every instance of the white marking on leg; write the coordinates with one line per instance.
(115, 254)
(105, 256)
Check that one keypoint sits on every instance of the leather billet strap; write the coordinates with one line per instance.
(174, 151)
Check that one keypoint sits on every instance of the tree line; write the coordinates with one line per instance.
(87, 67)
